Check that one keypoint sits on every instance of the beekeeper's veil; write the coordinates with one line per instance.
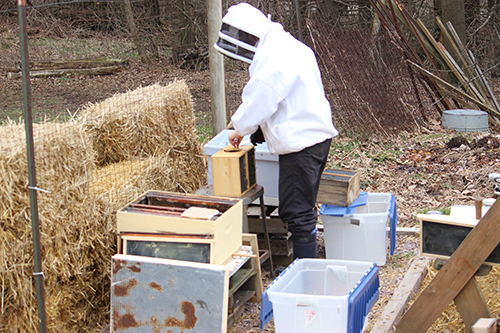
(242, 28)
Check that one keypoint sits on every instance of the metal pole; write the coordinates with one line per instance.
(216, 60)
(28, 122)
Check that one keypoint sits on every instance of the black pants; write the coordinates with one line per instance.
(299, 178)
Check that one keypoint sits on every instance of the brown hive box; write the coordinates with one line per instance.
(339, 187)
(233, 171)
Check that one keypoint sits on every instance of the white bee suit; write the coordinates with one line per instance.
(285, 93)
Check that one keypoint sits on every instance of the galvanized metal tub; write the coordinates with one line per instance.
(465, 120)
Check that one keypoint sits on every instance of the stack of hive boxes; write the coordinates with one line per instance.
(182, 263)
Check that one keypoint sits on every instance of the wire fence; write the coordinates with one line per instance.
(120, 103)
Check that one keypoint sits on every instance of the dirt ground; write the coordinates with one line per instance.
(428, 170)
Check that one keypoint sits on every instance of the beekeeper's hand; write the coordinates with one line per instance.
(235, 139)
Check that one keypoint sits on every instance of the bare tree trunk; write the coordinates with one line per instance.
(186, 31)
(133, 31)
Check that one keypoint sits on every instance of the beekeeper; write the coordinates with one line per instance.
(283, 104)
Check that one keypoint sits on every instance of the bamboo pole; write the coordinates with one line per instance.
(452, 89)
(481, 76)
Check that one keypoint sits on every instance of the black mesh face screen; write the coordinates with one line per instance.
(238, 34)
(230, 47)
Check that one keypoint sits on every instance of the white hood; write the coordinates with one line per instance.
(284, 95)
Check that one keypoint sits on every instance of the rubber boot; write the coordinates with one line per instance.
(305, 247)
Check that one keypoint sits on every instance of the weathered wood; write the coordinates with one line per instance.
(471, 305)
(455, 69)
(406, 290)
(454, 275)
(338, 187)
(68, 71)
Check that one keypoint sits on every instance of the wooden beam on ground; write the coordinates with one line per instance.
(454, 275)
(69, 71)
(405, 292)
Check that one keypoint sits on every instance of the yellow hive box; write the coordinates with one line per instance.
(233, 171)
(156, 224)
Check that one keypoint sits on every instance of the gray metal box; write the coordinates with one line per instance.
(162, 295)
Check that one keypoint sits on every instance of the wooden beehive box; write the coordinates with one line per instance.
(441, 235)
(156, 218)
(233, 171)
(339, 187)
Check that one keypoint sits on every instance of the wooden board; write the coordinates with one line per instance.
(441, 235)
(405, 292)
(454, 275)
(471, 305)
(339, 187)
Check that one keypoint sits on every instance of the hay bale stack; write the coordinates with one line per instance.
(76, 236)
(145, 139)
(141, 123)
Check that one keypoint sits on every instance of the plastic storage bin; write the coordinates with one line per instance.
(321, 295)
(359, 232)
(266, 164)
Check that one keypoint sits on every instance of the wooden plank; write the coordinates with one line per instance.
(454, 275)
(406, 290)
(471, 305)
(252, 240)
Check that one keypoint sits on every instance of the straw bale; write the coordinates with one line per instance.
(143, 122)
(76, 232)
(119, 183)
